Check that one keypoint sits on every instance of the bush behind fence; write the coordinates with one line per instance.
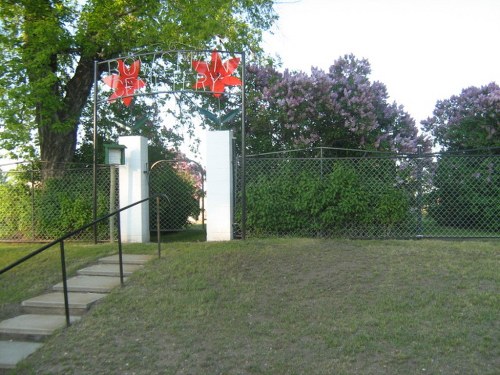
(372, 197)
(455, 196)
(36, 210)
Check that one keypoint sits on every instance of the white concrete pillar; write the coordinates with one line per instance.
(133, 188)
(219, 187)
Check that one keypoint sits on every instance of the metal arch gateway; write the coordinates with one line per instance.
(170, 72)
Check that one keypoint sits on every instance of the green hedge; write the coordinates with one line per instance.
(62, 204)
(15, 212)
(66, 204)
(52, 208)
(291, 202)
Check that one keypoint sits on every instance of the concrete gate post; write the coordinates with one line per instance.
(219, 187)
(134, 187)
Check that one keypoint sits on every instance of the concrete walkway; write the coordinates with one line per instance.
(24, 334)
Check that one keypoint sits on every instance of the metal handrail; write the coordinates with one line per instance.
(60, 241)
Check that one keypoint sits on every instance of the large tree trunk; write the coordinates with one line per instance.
(58, 102)
(56, 150)
(57, 147)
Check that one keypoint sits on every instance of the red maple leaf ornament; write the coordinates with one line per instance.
(216, 75)
(124, 83)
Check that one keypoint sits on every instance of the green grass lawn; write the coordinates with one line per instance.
(292, 306)
(432, 229)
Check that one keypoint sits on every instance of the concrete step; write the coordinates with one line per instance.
(89, 284)
(20, 336)
(53, 303)
(127, 259)
(32, 327)
(109, 269)
(12, 352)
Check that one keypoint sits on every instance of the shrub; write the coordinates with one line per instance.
(15, 209)
(51, 208)
(65, 204)
(342, 202)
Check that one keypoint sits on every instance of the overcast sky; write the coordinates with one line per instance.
(422, 50)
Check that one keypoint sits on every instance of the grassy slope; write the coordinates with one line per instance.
(294, 306)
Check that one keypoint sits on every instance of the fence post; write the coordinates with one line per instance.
(32, 202)
(243, 155)
(203, 201)
(420, 229)
(158, 232)
(94, 156)
(112, 199)
(321, 161)
(120, 255)
(220, 192)
(133, 183)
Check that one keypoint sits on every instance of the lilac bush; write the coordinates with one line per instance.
(338, 108)
(466, 121)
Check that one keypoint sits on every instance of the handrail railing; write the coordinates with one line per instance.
(61, 239)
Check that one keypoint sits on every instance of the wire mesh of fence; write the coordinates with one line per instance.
(36, 209)
(319, 195)
(371, 196)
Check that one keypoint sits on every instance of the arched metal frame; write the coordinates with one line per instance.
(175, 87)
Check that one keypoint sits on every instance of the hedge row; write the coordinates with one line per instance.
(339, 202)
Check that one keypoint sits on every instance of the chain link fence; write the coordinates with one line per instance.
(33, 209)
(37, 209)
(370, 196)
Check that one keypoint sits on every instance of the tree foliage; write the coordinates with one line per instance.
(49, 48)
(181, 180)
(466, 190)
(467, 121)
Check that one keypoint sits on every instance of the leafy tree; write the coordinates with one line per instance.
(49, 48)
(338, 108)
(140, 118)
(466, 121)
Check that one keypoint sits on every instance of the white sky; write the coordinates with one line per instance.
(422, 50)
